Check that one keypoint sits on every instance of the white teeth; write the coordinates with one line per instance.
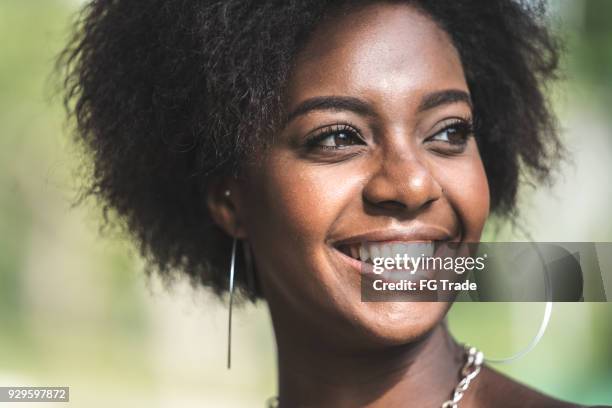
(375, 251)
(369, 251)
(397, 249)
(420, 248)
(386, 250)
(363, 253)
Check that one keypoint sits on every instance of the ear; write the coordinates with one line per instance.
(223, 200)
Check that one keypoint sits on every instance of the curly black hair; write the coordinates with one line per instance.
(167, 94)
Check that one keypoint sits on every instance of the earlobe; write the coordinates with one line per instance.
(223, 200)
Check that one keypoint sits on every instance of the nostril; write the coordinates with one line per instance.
(385, 207)
(392, 205)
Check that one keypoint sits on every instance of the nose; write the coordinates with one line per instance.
(401, 183)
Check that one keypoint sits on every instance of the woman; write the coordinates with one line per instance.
(314, 133)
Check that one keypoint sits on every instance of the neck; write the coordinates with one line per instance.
(423, 373)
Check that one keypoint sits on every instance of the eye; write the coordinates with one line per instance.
(336, 137)
(453, 136)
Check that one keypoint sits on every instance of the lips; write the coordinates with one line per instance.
(416, 241)
(421, 241)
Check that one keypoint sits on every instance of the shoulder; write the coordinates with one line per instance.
(497, 390)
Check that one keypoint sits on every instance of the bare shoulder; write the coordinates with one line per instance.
(497, 390)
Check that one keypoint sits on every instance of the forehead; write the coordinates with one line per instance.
(385, 51)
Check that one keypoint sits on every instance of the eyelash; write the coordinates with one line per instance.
(319, 135)
(463, 126)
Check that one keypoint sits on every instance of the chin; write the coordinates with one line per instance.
(384, 324)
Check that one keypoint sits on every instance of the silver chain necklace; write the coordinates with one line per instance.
(471, 368)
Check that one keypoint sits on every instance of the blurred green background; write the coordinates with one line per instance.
(76, 309)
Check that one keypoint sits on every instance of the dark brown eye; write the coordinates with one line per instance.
(337, 137)
(340, 139)
(454, 134)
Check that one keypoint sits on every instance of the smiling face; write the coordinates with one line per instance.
(377, 151)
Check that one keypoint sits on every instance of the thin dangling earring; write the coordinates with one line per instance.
(231, 298)
(227, 193)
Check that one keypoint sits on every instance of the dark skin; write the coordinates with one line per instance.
(377, 147)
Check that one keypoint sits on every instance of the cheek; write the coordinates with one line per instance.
(290, 209)
(293, 202)
(467, 190)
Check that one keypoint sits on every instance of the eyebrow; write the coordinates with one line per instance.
(435, 99)
(363, 108)
(334, 103)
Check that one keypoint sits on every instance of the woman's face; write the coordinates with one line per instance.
(376, 150)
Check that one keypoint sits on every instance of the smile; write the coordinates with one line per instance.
(415, 241)
(368, 251)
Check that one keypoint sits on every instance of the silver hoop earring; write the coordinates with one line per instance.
(547, 311)
(231, 298)
(532, 344)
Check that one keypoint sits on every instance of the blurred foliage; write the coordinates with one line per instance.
(592, 51)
